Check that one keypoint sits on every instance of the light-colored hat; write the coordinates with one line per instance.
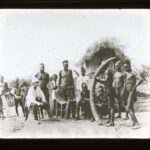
(34, 80)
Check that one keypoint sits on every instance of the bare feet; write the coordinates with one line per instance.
(77, 118)
(99, 122)
(108, 121)
(37, 122)
(136, 126)
(110, 125)
(131, 125)
(119, 116)
(126, 118)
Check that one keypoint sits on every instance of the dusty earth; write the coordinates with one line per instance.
(16, 127)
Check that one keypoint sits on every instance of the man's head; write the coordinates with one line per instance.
(16, 84)
(1, 78)
(83, 71)
(42, 67)
(24, 84)
(84, 86)
(127, 66)
(65, 64)
(55, 77)
(118, 65)
(35, 82)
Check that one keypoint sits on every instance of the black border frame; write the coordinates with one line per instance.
(63, 144)
(84, 4)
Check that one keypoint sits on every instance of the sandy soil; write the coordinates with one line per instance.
(16, 127)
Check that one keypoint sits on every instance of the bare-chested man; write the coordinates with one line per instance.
(110, 94)
(3, 90)
(129, 92)
(67, 89)
(43, 78)
(118, 85)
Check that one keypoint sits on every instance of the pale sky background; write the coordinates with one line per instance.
(29, 37)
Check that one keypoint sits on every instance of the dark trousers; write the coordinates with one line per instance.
(19, 101)
(35, 108)
(70, 109)
(46, 94)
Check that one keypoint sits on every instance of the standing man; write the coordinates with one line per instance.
(3, 90)
(66, 88)
(24, 91)
(118, 85)
(43, 78)
(16, 92)
(110, 94)
(129, 92)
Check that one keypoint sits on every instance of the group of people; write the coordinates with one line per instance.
(119, 86)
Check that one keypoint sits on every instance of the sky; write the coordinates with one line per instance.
(31, 36)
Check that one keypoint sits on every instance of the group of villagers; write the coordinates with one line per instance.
(115, 92)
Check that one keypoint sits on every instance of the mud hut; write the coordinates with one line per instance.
(100, 51)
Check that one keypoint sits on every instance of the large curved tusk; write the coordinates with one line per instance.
(102, 66)
(92, 92)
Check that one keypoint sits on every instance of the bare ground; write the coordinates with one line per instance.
(16, 127)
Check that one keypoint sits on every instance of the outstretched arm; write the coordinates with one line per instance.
(104, 81)
(76, 73)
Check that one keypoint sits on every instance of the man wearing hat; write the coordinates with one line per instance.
(43, 81)
(118, 85)
(66, 88)
(36, 98)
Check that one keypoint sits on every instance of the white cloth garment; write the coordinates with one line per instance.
(33, 94)
(53, 84)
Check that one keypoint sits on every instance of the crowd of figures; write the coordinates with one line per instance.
(74, 97)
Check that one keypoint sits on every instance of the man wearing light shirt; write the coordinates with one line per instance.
(36, 98)
(82, 79)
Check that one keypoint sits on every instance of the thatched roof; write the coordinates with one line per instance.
(103, 49)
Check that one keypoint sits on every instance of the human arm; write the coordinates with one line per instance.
(47, 78)
(76, 73)
(59, 79)
(72, 81)
(102, 81)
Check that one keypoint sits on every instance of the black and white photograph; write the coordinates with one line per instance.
(74, 73)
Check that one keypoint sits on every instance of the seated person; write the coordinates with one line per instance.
(100, 102)
(84, 103)
(35, 98)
